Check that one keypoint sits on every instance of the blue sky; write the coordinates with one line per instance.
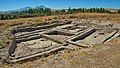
(58, 4)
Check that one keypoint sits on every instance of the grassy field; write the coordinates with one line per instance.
(103, 56)
(4, 24)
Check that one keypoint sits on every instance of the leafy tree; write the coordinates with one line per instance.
(119, 11)
(47, 11)
(2, 16)
(69, 11)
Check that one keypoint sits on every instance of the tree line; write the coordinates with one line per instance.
(48, 11)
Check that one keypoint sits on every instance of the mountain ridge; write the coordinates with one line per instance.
(24, 8)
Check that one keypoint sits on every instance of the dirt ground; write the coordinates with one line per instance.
(101, 56)
(98, 56)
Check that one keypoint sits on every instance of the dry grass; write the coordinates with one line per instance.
(4, 24)
(103, 56)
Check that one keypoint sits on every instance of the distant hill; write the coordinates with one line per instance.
(41, 6)
(24, 9)
(41, 10)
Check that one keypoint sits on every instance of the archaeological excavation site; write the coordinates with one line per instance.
(41, 40)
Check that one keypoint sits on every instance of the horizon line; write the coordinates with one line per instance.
(59, 8)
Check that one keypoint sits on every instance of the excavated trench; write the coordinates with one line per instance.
(44, 39)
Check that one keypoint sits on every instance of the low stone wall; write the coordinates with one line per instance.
(70, 33)
(58, 48)
(39, 27)
(29, 38)
(83, 35)
(12, 48)
(59, 32)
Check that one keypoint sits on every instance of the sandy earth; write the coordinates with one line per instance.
(99, 56)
